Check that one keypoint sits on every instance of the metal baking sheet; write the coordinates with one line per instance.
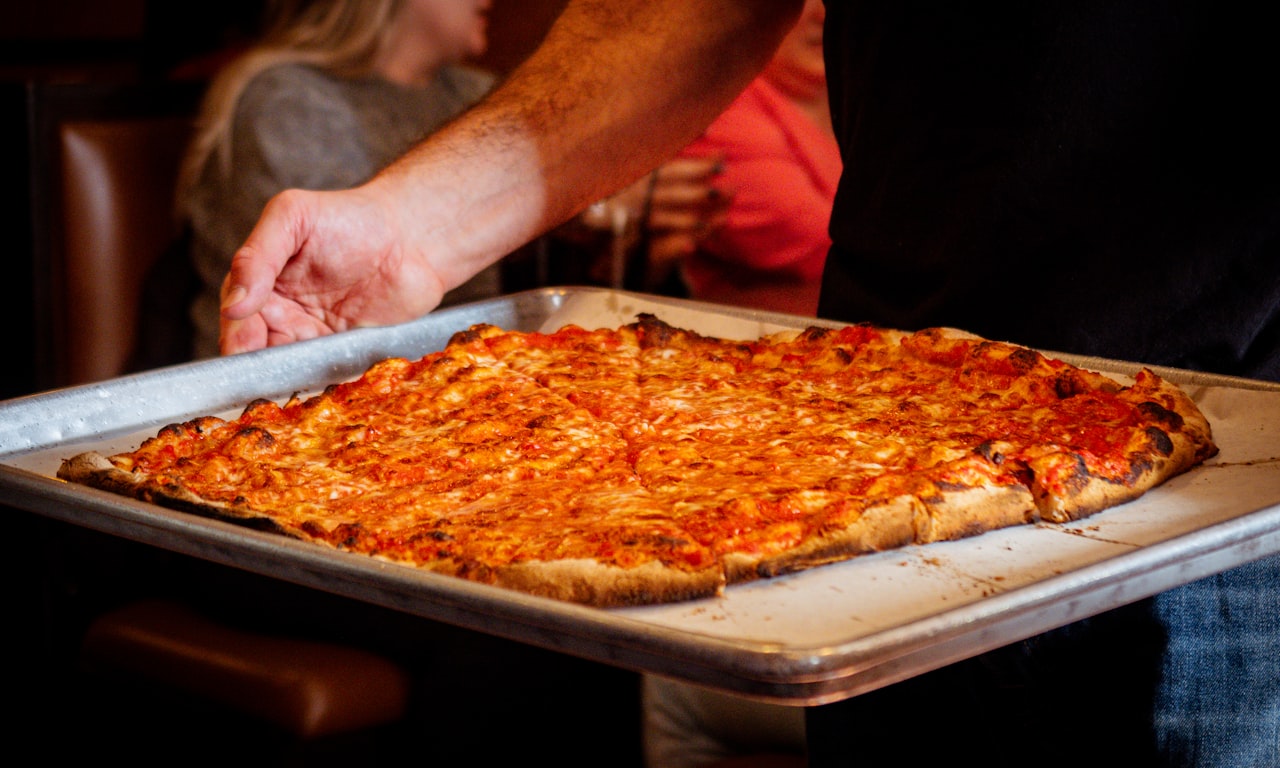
(807, 638)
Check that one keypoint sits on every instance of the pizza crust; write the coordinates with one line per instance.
(879, 526)
(95, 469)
(962, 512)
(594, 583)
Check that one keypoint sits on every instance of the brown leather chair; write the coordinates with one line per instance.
(117, 188)
(103, 163)
(104, 160)
(308, 688)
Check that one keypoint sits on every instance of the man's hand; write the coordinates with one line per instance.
(320, 263)
(685, 207)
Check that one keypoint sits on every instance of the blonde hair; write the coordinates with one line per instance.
(340, 36)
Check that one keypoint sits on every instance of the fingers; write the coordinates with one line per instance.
(249, 320)
(667, 248)
(685, 195)
(682, 215)
(691, 169)
(672, 206)
(278, 322)
(277, 236)
(696, 221)
(243, 334)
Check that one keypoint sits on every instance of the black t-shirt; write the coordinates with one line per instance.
(1092, 177)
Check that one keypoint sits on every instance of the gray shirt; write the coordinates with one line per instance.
(297, 126)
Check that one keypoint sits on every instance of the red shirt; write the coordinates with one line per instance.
(782, 169)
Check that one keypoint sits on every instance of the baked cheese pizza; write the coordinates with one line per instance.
(650, 463)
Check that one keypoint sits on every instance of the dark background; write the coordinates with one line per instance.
(148, 38)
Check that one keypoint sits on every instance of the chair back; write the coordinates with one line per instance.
(104, 163)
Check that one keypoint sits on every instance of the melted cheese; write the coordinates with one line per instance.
(652, 444)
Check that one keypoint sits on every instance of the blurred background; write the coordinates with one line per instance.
(74, 60)
(116, 39)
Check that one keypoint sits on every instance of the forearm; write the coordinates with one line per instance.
(578, 121)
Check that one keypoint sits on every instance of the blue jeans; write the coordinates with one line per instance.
(1190, 677)
(1218, 701)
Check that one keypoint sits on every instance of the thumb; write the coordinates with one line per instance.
(276, 238)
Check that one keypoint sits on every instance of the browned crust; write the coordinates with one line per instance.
(604, 585)
(93, 468)
(951, 513)
(1084, 494)
(96, 470)
(1177, 438)
(584, 581)
(883, 525)
(957, 513)
(1191, 434)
